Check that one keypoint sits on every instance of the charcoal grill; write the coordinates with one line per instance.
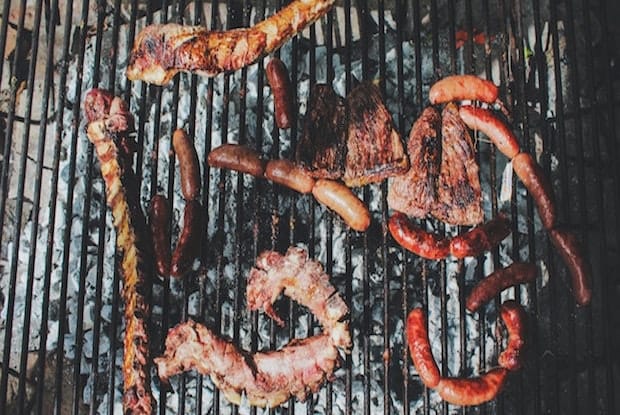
(556, 64)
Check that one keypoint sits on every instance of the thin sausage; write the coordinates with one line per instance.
(489, 287)
(538, 186)
(481, 238)
(462, 87)
(277, 76)
(425, 244)
(188, 245)
(513, 315)
(420, 348)
(189, 165)
(570, 249)
(237, 157)
(473, 391)
(159, 213)
(289, 174)
(343, 201)
(480, 119)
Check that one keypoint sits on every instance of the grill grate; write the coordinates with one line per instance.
(60, 320)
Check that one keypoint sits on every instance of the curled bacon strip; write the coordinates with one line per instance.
(108, 125)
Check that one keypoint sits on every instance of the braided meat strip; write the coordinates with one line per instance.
(108, 124)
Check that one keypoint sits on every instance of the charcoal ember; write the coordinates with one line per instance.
(459, 197)
(322, 147)
(374, 147)
(414, 193)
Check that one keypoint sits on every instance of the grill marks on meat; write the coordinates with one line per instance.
(322, 147)
(268, 379)
(108, 124)
(374, 147)
(414, 193)
(458, 187)
(161, 51)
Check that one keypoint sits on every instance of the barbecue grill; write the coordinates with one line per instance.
(60, 308)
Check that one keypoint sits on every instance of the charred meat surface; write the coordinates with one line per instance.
(374, 147)
(161, 51)
(322, 147)
(414, 193)
(459, 197)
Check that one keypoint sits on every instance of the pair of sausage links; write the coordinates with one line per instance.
(514, 318)
(514, 274)
(420, 348)
(431, 246)
(189, 165)
(188, 245)
(277, 76)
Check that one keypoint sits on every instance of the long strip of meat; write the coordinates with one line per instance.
(268, 378)
(161, 51)
(108, 124)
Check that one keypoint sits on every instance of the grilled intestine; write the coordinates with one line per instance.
(161, 51)
(267, 379)
(109, 124)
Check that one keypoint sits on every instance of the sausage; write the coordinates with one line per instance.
(481, 238)
(513, 316)
(277, 76)
(473, 391)
(480, 119)
(539, 187)
(420, 348)
(425, 244)
(159, 213)
(189, 165)
(462, 87)
(492, 285)
(237, 157)
(343, 201)
(570, 249)
(289, 174)
(189, 243)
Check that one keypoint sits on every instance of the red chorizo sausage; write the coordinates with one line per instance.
(237, 157)
(425, 244)
(189, 165)
(289, 174)
(159, 213)
(462, 87)
(513, 315)
(489, 287)
(481, 238)
(539, 187)
(420, 348)
(277, 76)
(343, 201)
(189, 243)
(570, 249)
(473, 391)
(480, 119)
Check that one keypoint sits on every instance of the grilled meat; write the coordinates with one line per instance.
(458, 187)
(268, 378)
(322, 147)
(374, 147)
(108, 125)
(161, 51)
(414, 193)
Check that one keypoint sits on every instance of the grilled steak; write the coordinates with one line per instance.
(414, 193)
(374, 147)
(458, 187)
(322, 147)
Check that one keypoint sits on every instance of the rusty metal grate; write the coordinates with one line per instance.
(60, 319)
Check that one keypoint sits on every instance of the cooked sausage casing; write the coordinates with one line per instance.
(189, 165)
(480, 119)
(462, 87)
(343, 201)
(189, 243)
(514, 318)
(425, 244)
(420, 348)
(481, 238)
(289, 174)
(159, 213)
(569, 248)
(277, 76)
(472, 391)
(237, 157)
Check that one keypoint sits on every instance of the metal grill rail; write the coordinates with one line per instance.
(555, 64)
